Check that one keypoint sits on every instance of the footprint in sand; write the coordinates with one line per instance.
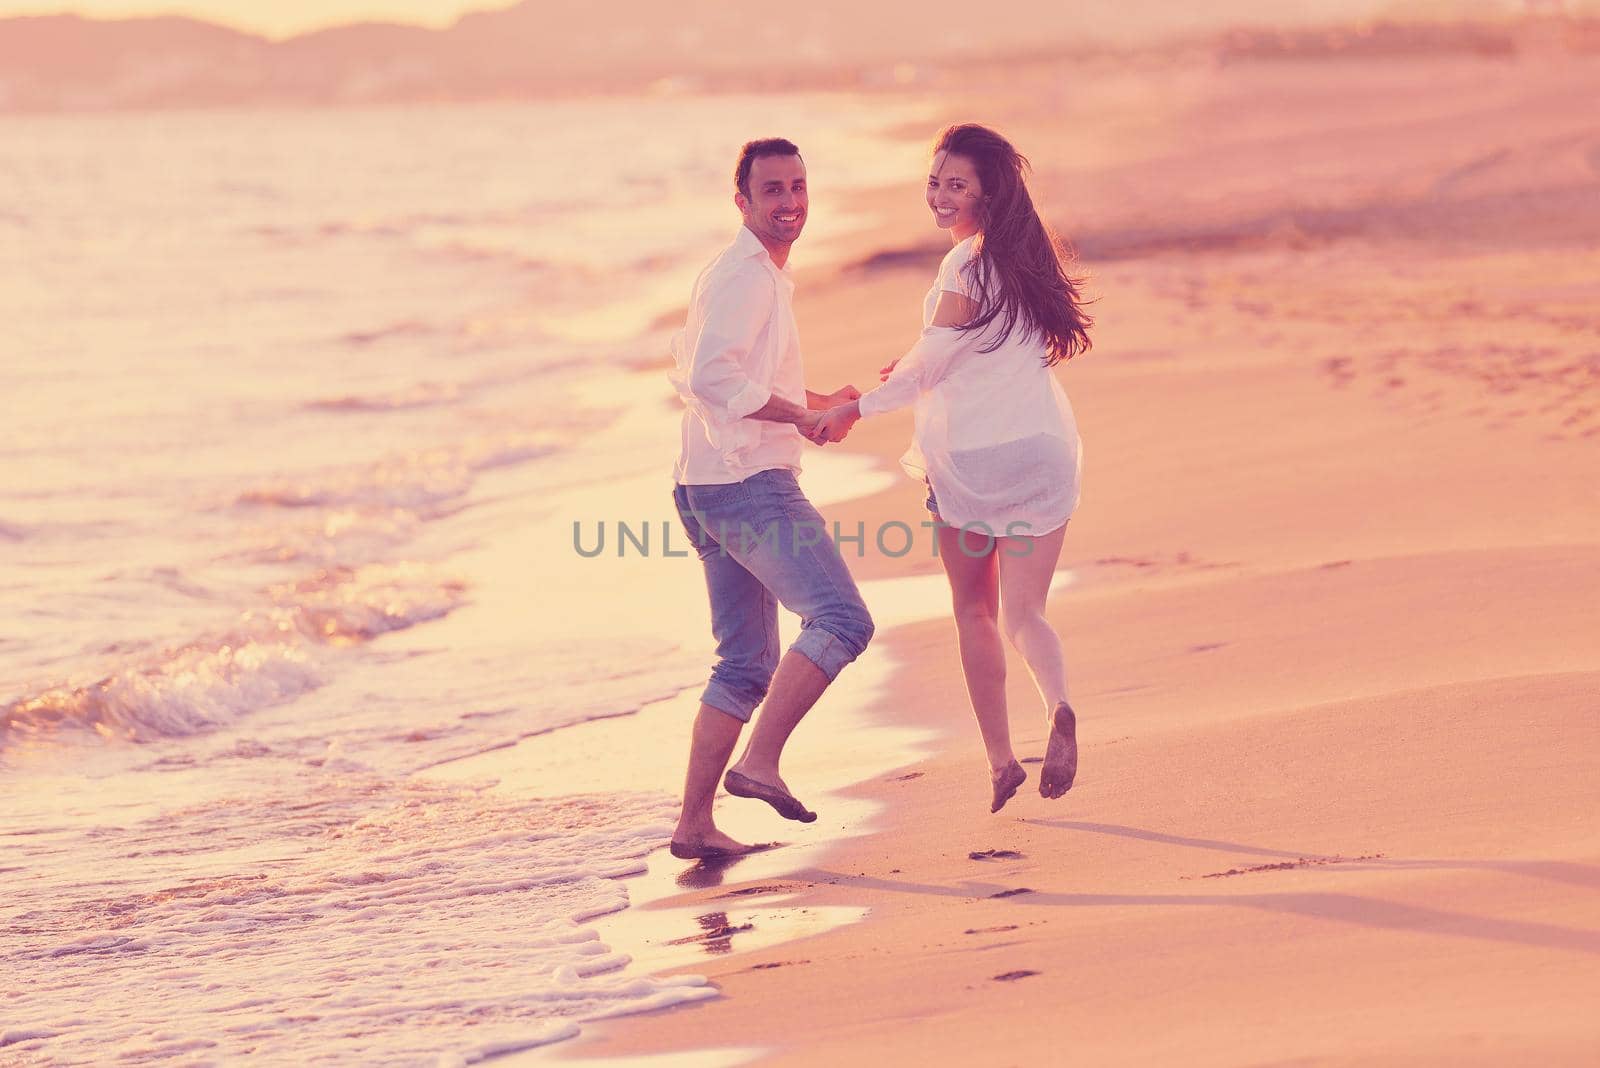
(994, 854)
(1007, 977)
(1291, 865)
(751, 891)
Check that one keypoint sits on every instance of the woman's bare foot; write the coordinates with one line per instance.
(713, 845)
(1005, 782)
(1061, 754)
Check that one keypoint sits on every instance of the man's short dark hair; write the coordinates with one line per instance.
(754, 150)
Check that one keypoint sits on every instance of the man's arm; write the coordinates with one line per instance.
(778, 410)
(735, 311)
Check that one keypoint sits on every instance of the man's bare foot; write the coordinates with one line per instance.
(713, 845)
(1005, 782)
(775, 794)
(1061, 754)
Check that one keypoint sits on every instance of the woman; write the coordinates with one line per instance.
(995, 437)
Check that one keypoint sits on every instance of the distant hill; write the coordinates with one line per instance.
(1502, 38)
(538, 47)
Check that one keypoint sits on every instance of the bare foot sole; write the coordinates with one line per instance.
(1005, 787)
(787, 806)
(1061, 754)
(702, 850)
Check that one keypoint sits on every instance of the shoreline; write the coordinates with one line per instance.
(354, 752)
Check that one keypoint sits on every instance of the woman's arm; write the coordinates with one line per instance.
(953, 309)
(928, 361)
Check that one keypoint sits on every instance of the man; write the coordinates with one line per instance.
(760, 541)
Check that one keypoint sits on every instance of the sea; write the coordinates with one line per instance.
(303, 410)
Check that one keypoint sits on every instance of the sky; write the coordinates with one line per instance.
(273, 18)
(284, 18)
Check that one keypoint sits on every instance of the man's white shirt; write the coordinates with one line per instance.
(739, 348)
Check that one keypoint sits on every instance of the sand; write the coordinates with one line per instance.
(1332, 629)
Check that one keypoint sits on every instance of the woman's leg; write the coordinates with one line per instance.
(1026, 567)
(971, 563)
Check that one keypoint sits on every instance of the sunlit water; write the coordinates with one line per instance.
(301, 407)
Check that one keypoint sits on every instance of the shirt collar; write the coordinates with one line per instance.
(747, 244)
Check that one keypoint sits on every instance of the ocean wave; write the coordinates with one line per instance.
(421, 395)
(420, 924)
(405, 328)
(273, 655)
(506, 454)
(338, 537)
(300, 235)
(452, 235)
(406, 222)
(190, 690)
(251, 190)
(343, 605)
(363, 515)
(432, 394)
(169, 578)
(419, 481)
(460, 250)
(364, 227)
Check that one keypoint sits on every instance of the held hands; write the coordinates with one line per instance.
(825, 423)
(835, 423)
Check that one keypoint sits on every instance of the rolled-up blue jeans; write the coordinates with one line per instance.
(762, 544)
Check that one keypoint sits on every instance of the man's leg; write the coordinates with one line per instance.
(796, 686)
(802, 567)
(715, 733)
(744, 620)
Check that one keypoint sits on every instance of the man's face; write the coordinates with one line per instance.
(775, 210)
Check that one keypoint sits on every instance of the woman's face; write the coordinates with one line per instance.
(955, 195)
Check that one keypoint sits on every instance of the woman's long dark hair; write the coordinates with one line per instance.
(1018, 273)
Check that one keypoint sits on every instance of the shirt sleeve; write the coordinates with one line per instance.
(953, 274)
(736, 308)
(919, 370)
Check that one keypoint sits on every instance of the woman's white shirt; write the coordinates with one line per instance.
(994, 432)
